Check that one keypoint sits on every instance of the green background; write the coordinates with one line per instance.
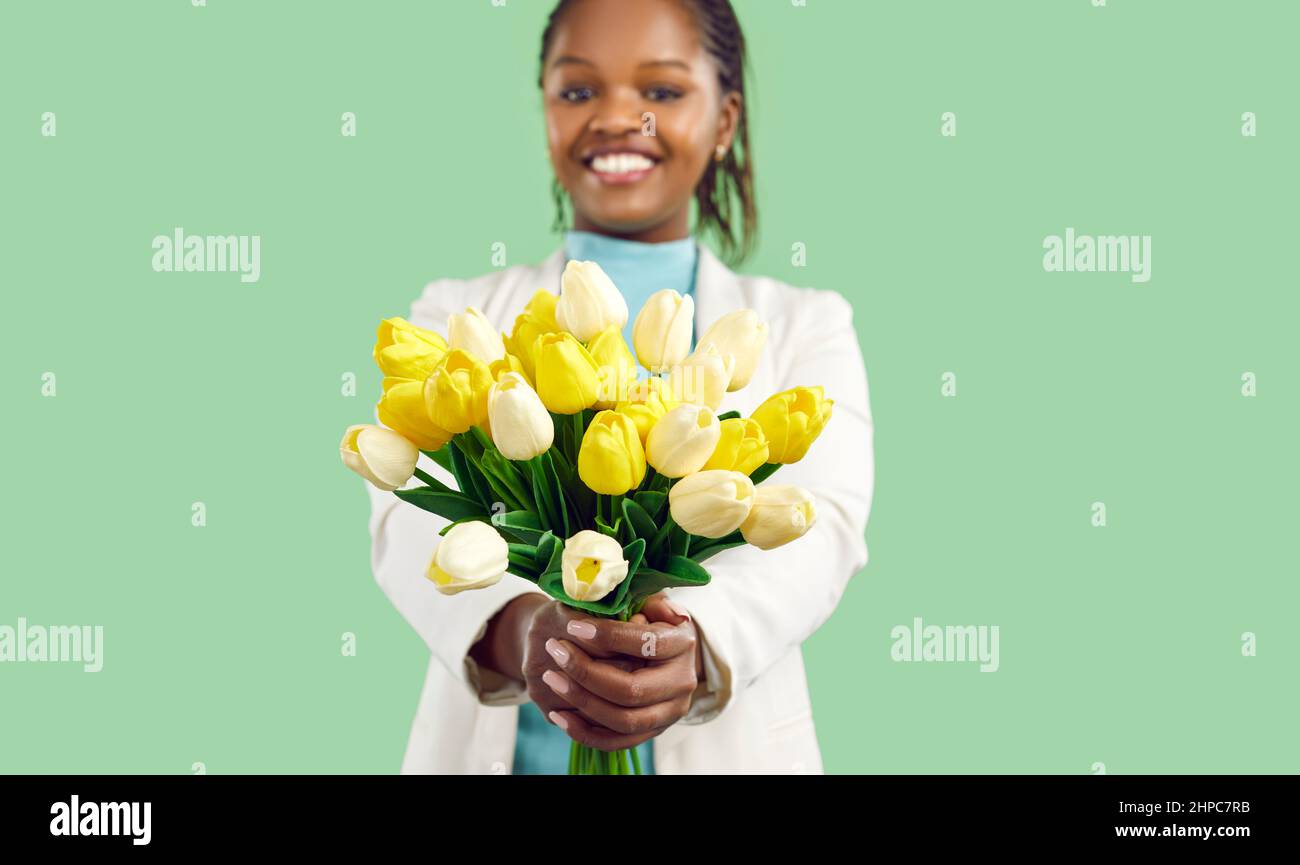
(1119, 645)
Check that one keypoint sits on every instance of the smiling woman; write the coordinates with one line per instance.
(644, 111)
(644, 105)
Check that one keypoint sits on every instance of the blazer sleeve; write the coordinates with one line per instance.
(761, 604)
(403, 539)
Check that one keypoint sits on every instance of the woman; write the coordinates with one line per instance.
(644, 106)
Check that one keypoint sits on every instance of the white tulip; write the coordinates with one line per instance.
(521, 427)
(592, 565)
(681, 441)
(470, 556)
(661, 334)
(379, 455)
(589, 301)
(741, 335)
(781, 513)
(701, 378)
(711, 503)
(472, 332)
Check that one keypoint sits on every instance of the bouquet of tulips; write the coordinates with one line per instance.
(572, 470)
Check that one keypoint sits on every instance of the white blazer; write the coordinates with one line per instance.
(752, 715)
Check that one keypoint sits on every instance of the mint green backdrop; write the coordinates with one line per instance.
(1119, 645)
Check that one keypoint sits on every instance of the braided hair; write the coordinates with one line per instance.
(724, 184)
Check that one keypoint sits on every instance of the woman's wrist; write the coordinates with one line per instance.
(502, 647)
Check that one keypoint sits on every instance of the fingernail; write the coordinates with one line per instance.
(679, 610)
(582, 630)
(558, 683)
(559, 720)
(557, 651)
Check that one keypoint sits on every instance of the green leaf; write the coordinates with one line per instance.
(557, 494)
(679, 541)
(606, 529)
(442, 456)
(470, 479)
(502, 474)
(703, 548)
(452, 506)
(545, 497)
(523, 525)
(728, 415)
(552, 582)
(660, 541)
(545, 547)
(550, 552)
(650, 502)
(634, 553)
(648, 581)
(481, 438)
(691, 572)
(640, 522)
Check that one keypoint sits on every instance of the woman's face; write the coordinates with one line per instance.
(633, 115)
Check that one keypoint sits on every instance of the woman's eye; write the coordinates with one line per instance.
(575, 94)
(663, 94)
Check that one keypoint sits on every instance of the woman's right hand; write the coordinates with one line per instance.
(528, 637)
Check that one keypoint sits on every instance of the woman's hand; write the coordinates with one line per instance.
(608, 684)
(612, 684)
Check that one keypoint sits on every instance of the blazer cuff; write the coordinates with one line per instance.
(714, 692)
(487, 686)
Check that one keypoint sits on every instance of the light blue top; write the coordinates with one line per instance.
(639, 270)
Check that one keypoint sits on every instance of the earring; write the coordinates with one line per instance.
(720, 153)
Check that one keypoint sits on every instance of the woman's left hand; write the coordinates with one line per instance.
(614, 707)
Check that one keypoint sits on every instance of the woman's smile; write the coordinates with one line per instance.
(620, 165)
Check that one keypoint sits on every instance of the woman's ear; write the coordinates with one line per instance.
(728, 122)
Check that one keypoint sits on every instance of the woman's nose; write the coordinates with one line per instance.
(617, 114)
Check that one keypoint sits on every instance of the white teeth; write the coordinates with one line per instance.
(620, 163)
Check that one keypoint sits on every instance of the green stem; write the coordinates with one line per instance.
(577, 435)
(636, 761)
(763, 472)
(427, 479)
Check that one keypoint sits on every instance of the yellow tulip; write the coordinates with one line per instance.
(567, 377)
(711, 504)
(457, 392)
(702, 378)
(646, 402)
(589, 301)
(470, 556)
(472, 332)
(521, 428)
(779, 515)
(662, 330)
(403, 350)
(506, 365)
(742, 447)
(379, 455)
(592, 566)
(683, 440)
(791, 421)
(616, 364)
(403, 410)
(537, 318)
(741, 335)
(611, 460)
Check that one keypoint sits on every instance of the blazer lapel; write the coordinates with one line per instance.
(717, 290)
